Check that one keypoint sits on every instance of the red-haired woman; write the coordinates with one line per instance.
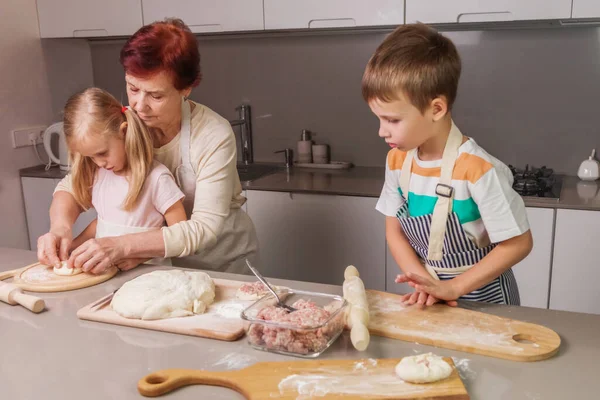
(162, 65)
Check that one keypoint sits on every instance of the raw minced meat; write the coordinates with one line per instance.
(303, 340)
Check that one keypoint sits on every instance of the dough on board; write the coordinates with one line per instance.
(164, 294)
(64, 270)
(423, 368)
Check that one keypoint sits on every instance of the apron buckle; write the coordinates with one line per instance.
(444, 190)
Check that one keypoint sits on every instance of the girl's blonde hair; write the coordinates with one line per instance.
(96, 112)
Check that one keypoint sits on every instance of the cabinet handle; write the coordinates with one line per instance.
(491, 16)
(205, 28)
(332, 23)
(89, 32)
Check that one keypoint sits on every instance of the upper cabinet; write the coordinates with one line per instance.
(294, 14)
(204, 16)
(465, 11)
(586, 9)
(88, 18)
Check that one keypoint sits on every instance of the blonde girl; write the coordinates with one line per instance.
(113, 171)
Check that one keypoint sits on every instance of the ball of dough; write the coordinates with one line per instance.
(164, 294)
(350, 271)
(423, 368)
(64, 270)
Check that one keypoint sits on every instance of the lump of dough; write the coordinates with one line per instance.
(64, 270)
(164, 294)
(423, 368)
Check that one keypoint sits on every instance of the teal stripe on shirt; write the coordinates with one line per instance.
(419, 205)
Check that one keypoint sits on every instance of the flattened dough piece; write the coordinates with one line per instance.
(423, 368)
(66, 271)
(164, 294)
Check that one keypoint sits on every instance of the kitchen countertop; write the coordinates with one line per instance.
(54, 355)
(368, 181)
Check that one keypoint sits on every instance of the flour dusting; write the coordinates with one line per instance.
(235, 361)
(464, 368)
(228, 309)
(38, 274)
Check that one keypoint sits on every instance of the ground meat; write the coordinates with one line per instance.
(252, 291)
(303, 340)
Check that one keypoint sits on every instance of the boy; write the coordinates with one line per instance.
(454, 224)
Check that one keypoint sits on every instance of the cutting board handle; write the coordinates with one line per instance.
(165, 381)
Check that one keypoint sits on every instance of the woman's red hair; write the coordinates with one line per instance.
(164, 46)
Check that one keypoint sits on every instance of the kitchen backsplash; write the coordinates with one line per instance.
(527, 96)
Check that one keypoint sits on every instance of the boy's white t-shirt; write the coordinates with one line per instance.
(159, 193)
(489, 209)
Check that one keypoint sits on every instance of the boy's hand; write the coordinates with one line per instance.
(428, 291)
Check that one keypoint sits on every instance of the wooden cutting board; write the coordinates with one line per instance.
(221, 321)
(460, 329)
(41, 278)
(322, 379)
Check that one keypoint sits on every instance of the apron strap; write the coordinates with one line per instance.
(445, 195)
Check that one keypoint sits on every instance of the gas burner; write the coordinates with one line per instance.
(536, 182)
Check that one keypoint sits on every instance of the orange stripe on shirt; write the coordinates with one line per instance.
(468, 166)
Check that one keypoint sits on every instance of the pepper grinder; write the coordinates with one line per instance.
(305, 147)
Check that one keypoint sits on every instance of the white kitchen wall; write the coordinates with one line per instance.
(35, 80)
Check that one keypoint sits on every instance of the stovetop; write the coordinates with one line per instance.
(540, 183)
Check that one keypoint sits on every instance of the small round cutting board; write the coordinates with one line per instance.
(41, 278)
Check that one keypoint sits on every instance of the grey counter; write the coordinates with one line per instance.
(54, 355)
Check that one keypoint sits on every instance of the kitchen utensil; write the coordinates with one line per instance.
(460, 329)
(62, 159)
(41, 278)
(589, 170)
(309, 340)
(264, 282)
(221, 321)
(327, 379)
(13, 295)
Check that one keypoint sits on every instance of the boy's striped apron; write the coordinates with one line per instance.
(439, 238)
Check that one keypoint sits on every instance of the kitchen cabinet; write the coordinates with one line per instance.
(293, 14)
(532, 274)
(464, 11)
(208, 16)
(314, 238)
(37, 195)
(586, 9)
(88, 18)
(575, 278)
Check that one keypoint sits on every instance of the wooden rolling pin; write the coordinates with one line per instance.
(13, 295)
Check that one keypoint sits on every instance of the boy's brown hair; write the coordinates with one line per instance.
(417, 61)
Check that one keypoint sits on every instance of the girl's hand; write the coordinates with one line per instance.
(428, 291)
(130, 263)
(97, 255)
(54, 246)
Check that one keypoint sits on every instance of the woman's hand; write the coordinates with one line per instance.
(428, 291)
(97, 255)
(53, 247)
(130, 263)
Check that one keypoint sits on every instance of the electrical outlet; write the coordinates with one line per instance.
(22, 137)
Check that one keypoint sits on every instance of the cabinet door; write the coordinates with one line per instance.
(208, 16)
(586, 9)
(88, 18)
(444, 11)
(575, 279)
(293, 14)
(37, 195)
(533, 273)
(315, 237)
